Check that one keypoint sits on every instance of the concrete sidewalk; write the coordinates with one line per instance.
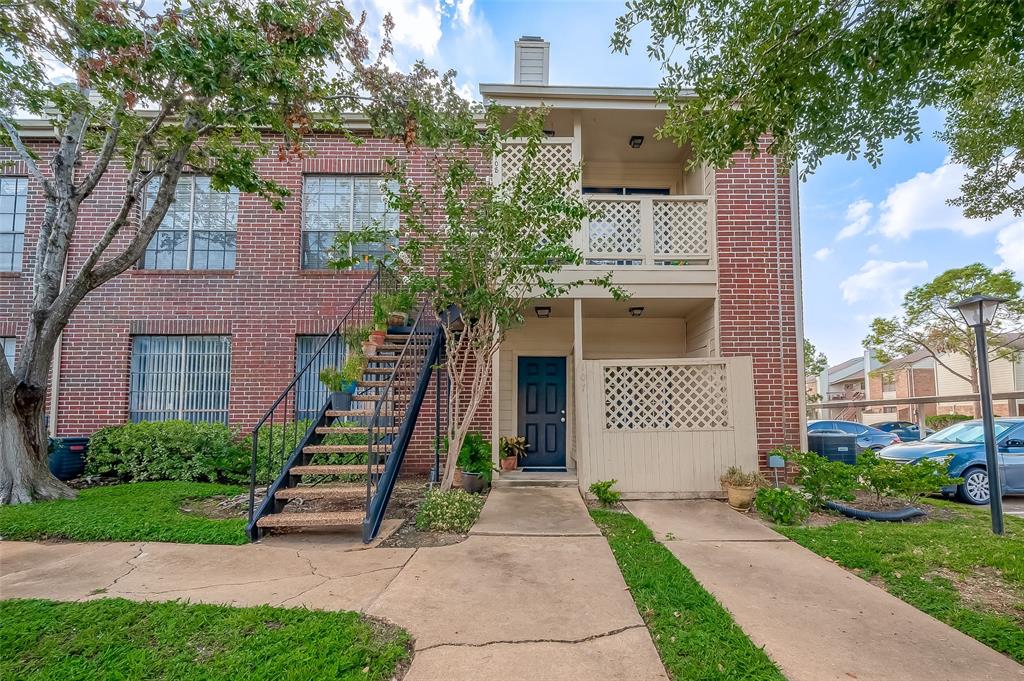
(506, 605)
(815, 619)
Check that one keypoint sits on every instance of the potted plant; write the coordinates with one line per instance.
(357, 339)
(511, 448)
(393, 308)
(741, 486)
(475, 463)
(332, 379)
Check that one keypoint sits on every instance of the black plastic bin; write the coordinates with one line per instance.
(67, 456)
(834, 446)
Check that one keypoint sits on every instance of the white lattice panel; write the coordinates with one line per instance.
(553, 157)
(681, 227)
(666, 397)
(616, 229)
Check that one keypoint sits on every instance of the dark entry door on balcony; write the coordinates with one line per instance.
(542, 411)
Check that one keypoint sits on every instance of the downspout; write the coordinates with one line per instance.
(798, 296)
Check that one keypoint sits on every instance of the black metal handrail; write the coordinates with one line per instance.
(280, 436)
(397, 409)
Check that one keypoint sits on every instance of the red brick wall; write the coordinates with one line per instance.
(263, 303)
(757, 291)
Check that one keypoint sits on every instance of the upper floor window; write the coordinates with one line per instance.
(13, 197)
(198, 231)
(338, 203)
(7, 344)
(180, 377)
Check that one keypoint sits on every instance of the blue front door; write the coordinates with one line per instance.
(542, 411)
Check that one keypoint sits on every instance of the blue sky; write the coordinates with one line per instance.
(868, 234)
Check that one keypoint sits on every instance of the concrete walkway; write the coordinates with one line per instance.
(522, 601)
(815, 619)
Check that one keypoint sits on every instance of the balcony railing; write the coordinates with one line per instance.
(631, 231)
(647, 230)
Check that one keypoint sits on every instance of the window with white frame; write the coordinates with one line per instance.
(8, 347)
(198, 231)
(340, 203)
(13, 199)
(180, 377)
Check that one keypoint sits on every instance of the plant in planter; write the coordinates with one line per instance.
(393, 309)
(511, 447)
(475, 463)
(741, 486)
(357, 339)
(342, 382)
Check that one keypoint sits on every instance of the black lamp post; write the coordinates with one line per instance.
(978, 312)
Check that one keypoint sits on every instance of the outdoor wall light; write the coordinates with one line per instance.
(978, 312)
(543, 311)
(636, 311)
(636, 140)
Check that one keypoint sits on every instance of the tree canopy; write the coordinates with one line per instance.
(815, 362)
(841, 77)
(927, 322)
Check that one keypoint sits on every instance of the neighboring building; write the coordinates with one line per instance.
(920, 375)
(844, 381)
(698, 371)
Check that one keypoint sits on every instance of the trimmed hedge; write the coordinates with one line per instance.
(169, 450)
(940, 421)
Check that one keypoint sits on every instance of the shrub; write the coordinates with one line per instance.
(513, 446)
(940, 421)
(782, 505)
(604, 492)
(169, 450)
(453, 511)
(735, 476)
(821, 480)
(904, 481)
(475, 456)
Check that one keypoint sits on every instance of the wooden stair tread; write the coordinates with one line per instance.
(344, 449)
(365, 398)
(329, 469)
(407, 336)
(350, 430)
(341, 413)
(336, 519)
(382, 359)
(322, 492)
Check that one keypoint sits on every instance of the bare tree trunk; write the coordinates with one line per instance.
(24, 471)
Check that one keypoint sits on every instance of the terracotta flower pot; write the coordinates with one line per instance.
(377, 337)
(369, 348)
(740, 498)
(509, 463)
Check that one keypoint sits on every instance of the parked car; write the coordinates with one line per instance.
(908, 432)
(964, 444)
(868, 437)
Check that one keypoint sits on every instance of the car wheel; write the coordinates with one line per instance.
(974, 488)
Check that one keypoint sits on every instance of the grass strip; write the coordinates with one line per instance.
(118, 639)
(951, 567)
(695, 636)
(141, 511)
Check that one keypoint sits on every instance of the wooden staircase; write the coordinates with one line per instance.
(328, 485)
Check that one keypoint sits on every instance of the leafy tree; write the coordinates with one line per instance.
(928, 322)
(841, 77)
(484, 250)
(815, 362)
(208, 85)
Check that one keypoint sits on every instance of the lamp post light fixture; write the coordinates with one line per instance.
(978, 312)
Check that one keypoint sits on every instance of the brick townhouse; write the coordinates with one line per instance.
(697, 371)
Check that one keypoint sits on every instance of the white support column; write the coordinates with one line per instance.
(579, 436)
(577, 159)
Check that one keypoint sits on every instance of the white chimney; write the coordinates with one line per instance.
(532, 60)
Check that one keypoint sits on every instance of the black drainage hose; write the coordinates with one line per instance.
(884, 516)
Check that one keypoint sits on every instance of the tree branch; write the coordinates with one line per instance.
(26, 156)
(106, 153)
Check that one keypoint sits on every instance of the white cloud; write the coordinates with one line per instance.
(417, 23)
(874, 249)
(884, 280)
(921, 203)
(1010, 247)
(858, 215)
(823, 253)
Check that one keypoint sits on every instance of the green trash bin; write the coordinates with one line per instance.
(67, 456)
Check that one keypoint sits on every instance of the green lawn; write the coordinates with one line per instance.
(695, 636)
(922, 563)
(141, 511)
(119, 639)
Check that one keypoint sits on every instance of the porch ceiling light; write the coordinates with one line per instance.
(543, 311)
(636, 140)
(636, 311)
